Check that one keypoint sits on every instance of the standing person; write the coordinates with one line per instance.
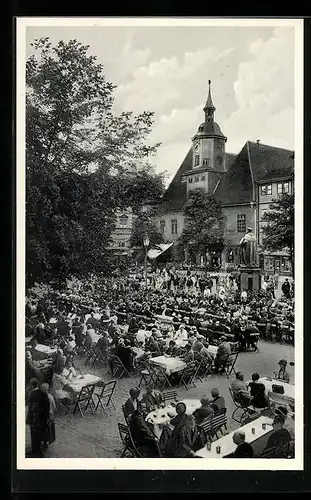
(37, 417)
(50, 434)
(286, 288)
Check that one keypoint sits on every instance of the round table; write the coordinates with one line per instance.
(162, 416)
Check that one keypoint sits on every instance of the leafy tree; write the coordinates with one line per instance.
(82, 161)
(204, 227)
(278, 230)
(144, 224)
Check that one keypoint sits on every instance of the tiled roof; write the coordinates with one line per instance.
(176, 194)
(269, 162)
(236, 184)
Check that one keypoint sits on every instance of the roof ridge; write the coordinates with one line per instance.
(269, 146)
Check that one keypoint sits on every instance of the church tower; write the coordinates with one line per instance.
(208, 152)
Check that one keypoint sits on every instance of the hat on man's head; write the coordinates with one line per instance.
(281, 410)
(282, 362)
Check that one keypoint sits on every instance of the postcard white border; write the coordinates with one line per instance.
(163, 463)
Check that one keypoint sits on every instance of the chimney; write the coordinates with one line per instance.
(258, 141)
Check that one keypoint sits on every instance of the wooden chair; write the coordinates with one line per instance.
(160, 378)
(126, 440)
(85, 398)
(99, 358)
(104, 396)
(280, 451)
(170, 395)
(187, 376)
(247, 410)
(146, 373)
(206, 425)
(117, 367)
(228, 365)
(219, 420)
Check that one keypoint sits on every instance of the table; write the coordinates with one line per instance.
(170, 364)
(160, 416)
(164, 319)
(138, 352)
(227, 446)
(212, 349)
(77, 384)
(44, 351)
(289, 389)
(96, 337)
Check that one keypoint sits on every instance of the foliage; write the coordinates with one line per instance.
(82, 161)
(144, 225)
(278, 230)
(204, 227)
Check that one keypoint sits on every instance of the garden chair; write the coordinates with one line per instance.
(105, 394)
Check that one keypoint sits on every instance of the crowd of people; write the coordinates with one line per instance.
(121, 317)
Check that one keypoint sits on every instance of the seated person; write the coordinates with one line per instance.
(181, 416)
(186, 439)
(282, 373)
(69, 370)
(205, 411)
(132, 402)
(32, 368)
(283, 412)
(197, 344)
(188, 357)
(124, 353)
(90, 336)
(153, 398)
(143, 437)
(204, 354)
(238, 383)
(279, 435)
(59, 361)
(153, 346)
(181, 336)
(173, 350)
(224, 350)
(243, 449)
(218, 402)
(258, 392)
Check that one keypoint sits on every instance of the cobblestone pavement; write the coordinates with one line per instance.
(96, 436)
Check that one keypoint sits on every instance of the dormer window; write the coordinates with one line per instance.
(201, 128)
(205, 161)
(197, 160)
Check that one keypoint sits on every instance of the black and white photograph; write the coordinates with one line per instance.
(159, 243)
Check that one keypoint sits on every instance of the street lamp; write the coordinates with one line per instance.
(146, 242)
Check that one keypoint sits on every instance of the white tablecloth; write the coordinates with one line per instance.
(164, 319)
(212, 349)
(160, 416)
(289, 389)
(170, 364)
(43, 351)
(227, 446)
(77, 384)
(138, 352)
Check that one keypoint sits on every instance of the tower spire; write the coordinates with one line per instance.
(209, 107)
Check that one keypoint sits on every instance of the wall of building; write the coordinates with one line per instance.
(231, 228)
(167, 218)
(120, 238)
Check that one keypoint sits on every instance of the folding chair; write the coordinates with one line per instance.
(117, 367)
(206, 425)
(146, 373)
(160, 378)
(219, 420)
(90, 354)
(280, 451)
(228, 365)
(126, 440)
(99, 358)
(170, 395)
(85, 397)
(197, 372)
(247, 410)
(187, 376)
(105, 394)
(205, 367)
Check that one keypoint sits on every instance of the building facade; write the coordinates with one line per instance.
(120, 237)
(245, 184)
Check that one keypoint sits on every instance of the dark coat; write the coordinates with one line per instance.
(153, 400)
(142, 435)
(184, 439)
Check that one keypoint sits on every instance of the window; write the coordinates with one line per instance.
(197, 160)
(162, 226)
(196, 178)
(123, 220)
(122, 244)
(219, 160)
(174, 226)
(266, 189)
(241, 223)
(205, 161)
(283, 187)
(202, 177)
(190, 180)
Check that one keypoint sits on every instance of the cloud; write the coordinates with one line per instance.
(264, 92)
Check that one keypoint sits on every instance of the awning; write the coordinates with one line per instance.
(154, 253)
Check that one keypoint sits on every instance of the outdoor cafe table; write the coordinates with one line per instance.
(164, 319)
(76, 384)
(258, 440)
(44, 351)
(160, 416)
(170, 364)
(212, 349)
(289, 389)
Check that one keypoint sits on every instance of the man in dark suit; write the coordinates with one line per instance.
(142, 435)
(205, 411)
(186, 439)
(37, 417)
(279, 435)
(132, 403)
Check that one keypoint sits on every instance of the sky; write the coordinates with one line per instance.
(166, 70)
